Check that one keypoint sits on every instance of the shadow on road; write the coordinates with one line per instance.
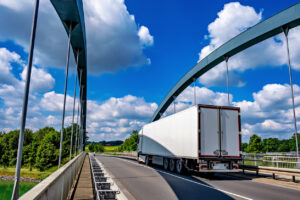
(188, 187)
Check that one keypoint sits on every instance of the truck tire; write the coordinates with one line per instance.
(172, 164)
(166, 163)
(179, 166)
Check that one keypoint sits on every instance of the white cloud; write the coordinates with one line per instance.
(40, 79)
(145, 36)
(12, 90)
(53, 101)
(270, 113)
(232, 20)
(6, 59)
(203, 96)
(117, 117)
(16, 4)
(113, 41)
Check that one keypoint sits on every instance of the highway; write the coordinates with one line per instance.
(138, 181)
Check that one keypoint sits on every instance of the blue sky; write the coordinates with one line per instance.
(137, 51)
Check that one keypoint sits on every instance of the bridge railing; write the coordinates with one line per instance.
(58, 184)
(272, 160)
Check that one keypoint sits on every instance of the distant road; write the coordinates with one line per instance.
(138, 181)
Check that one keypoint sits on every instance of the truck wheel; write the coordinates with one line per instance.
(179, 167)
(166, 163)
(172, 165)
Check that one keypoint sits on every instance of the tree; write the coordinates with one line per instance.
(293, 142)
(284, 146)
(48, 151)
(130, 144)
(255, 144)
(270, 144)
(95, 147)
(40, 134)
(9, 146)
(244, 146)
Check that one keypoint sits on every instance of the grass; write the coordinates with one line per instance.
(6, 188)
(33, 174)
(110, 148)
(26, 173)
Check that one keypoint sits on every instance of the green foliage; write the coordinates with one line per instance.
(9, 146)
(255, 144)
(95, 147)
(244, 146)
(270, 144)
(40, 149)
(40, 134)
(130, 144)
(48, 151)
(6, 188)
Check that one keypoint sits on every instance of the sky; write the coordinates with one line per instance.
(137, 50)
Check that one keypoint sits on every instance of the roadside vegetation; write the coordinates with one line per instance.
(111, 148)
(40, 151)
(95, 147)
(257, 145)
(130, 144)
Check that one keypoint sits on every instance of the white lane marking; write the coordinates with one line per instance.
(224, 191)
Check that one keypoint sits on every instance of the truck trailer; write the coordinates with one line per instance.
(203, 138)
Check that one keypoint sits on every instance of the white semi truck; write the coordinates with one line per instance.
(204, 138)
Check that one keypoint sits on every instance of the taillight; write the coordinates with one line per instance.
(203, 167)
(235, 167)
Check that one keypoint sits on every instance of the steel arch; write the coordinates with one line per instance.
(72, 11)
(270, 27)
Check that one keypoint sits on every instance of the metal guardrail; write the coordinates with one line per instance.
(272, 160)
(102, 187)
(59, 183)
(293, 173)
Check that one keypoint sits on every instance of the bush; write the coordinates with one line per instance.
(130, 144)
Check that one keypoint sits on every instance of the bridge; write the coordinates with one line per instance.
(122, 177)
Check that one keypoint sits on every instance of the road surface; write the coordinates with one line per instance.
(138, 181)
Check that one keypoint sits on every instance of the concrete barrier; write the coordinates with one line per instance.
(59, 183)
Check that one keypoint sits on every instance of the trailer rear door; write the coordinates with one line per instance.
(209, 127)
(230, 144)
(219, 132)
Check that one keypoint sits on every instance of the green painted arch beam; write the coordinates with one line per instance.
(72, 11)
(270, 27)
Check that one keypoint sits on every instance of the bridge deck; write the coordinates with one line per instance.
(84, 189)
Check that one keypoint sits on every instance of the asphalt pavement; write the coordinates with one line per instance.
(138, 181)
